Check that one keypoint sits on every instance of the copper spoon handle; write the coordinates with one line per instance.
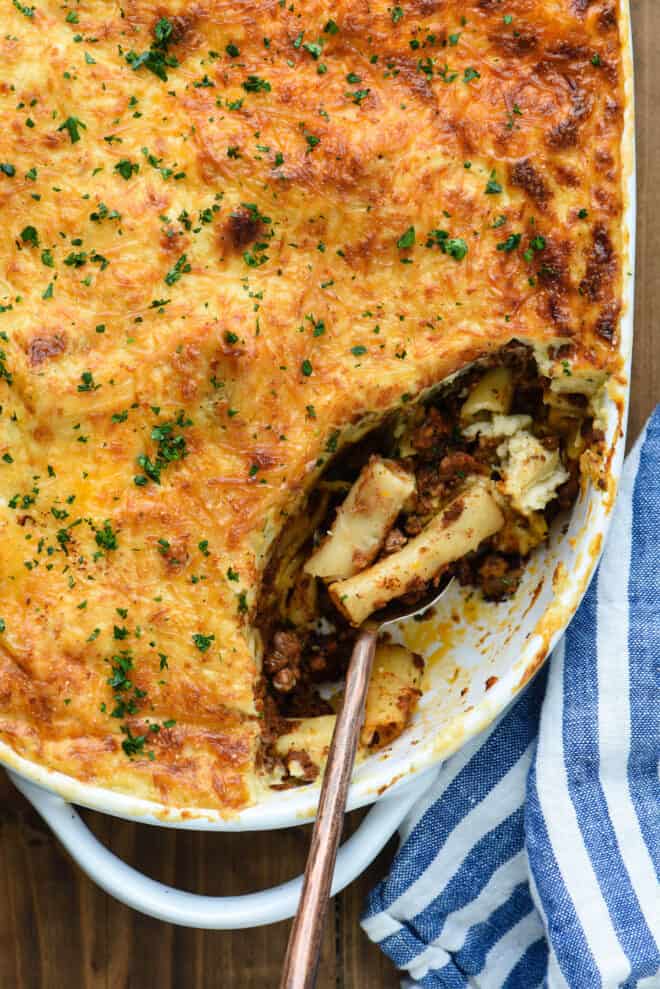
(302, 955)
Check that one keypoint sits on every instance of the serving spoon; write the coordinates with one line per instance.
(304, 947)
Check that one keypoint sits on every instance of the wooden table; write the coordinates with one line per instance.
(57, 930)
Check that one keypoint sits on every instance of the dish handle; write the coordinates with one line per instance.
(175, 906)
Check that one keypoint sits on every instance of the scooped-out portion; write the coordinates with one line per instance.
(463, 483)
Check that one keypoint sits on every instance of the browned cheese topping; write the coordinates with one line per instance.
(227, 231)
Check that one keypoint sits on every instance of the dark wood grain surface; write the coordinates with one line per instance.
(57, 930)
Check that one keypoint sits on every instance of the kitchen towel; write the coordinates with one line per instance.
(534, 859)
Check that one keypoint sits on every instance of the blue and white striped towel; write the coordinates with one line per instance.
(534, 859)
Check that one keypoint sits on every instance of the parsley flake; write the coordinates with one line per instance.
(203, 642)
(71, 125)
(182, 267)
(406, 239)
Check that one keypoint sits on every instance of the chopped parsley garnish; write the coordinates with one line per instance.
(318, 326)
(76, 259)
(331, 28)
(29, 235)
(87, 382)
(254, 260)
(232, 50)
(331, 442)
(156, 59)
(7, 169)
(5, 375)
(447, 76)
(132, 744)
(121, 666)
(203, 642)
(171, 446)
(306, 368)
(103, 213)
(126, 168)
(71, 125)
(254, 84)
(182, 267)
(255, 213)
(314, 48)
(536, 244)
(510, 244)
(470, 74)
(406, 239)
(396, 14)
(493, 187)
(107, 539)
(455, 247)
(23, 8)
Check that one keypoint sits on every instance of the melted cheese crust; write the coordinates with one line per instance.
(136, 290)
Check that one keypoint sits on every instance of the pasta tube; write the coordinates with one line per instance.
(304, 749)
(393, 693)
(492, 393)
(363, 520)
(459, 528)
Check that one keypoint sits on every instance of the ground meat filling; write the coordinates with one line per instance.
(429, 441)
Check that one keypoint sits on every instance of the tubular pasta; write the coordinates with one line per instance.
(464, 523)
(363, 520)
(492, 393)
(394, 690)
(307, 742)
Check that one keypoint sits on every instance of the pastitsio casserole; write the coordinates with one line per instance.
(240, 244)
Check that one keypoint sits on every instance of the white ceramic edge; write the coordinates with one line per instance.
(215, 912)
(378, 779)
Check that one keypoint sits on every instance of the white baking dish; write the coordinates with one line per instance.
(466, 643)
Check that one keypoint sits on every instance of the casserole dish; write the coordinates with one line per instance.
(475, 669)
